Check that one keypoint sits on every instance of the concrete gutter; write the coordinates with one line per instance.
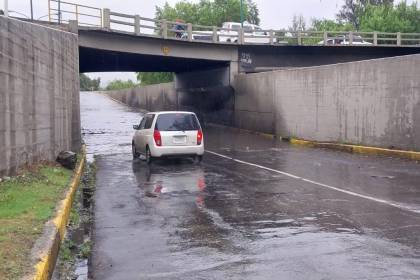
(45, 252)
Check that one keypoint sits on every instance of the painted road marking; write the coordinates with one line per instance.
(386, 202)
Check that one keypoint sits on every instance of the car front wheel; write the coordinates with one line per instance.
(134, 151)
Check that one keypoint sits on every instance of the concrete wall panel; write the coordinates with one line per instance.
(39, 93)
(373, 102)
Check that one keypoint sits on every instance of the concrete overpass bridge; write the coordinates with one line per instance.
(111, 41)
(205, 64)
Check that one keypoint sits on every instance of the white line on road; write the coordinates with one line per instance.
(389, 203)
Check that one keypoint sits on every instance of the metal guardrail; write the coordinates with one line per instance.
(62, 12)
(137, 25)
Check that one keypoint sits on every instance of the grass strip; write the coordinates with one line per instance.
(27, 202)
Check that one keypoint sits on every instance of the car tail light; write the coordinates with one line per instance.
(199, 137)
(157, 137)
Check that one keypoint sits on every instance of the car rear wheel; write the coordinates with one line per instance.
(134, 151)
(149, 157)
(198, 159)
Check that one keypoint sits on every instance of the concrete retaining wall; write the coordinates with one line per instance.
(151, 98)
(39, 93)
(374, 102)
(211, 104)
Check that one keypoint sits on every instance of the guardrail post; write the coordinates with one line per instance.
(189, 28)
(325, 38)
(271, 32)
(215, 34)
(398, 38)
(351, 38)
(73, 26)
(299, 38)
(107, 19)
(164, 27)
(137, 24)
(375, 38)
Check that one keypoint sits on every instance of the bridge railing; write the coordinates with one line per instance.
(201, 33)
(137, 25)
(63, 12)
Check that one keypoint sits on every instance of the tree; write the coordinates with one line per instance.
(352, 10)
(253, 13)
(120, 84)
(208, 12)
(150, 78)
(88, 84)
(205, 12)
(298, 23)
(329, 25)
(401, 18)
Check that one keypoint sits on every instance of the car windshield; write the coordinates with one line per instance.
(177, 122)
(235, 26)
(248, 28)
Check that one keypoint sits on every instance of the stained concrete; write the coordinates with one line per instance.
(151, 98)
(39, 93)
(373, 102)
(208, 93)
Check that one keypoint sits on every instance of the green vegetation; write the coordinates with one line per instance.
(380, 16)
(26, 203)
(77, 244)
(88, 84)
(207, 12)
(353, 10)
(150, 78)
(400, 18)
(120, 84)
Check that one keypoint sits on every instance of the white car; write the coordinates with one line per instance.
(171, 133)
(253, 33)
(344, 40)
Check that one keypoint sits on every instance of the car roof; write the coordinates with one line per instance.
(170, 112)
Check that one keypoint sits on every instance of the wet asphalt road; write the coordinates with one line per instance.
(274, 212)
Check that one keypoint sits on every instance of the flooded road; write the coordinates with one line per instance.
(254, 209)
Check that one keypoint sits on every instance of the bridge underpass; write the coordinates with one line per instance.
(205, 72)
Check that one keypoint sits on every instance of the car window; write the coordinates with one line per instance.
(358, 39)
(149, 120)
(177, 122)
(248, 28)
(235, 26)
(143, 121)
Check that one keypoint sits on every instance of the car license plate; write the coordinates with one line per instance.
(180, 139)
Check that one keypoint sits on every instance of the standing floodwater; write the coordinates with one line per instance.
(107, 126)
(255, 208)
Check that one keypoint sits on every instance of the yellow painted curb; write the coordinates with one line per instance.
(358, 149)
(45, 267)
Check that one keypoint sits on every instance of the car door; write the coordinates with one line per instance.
(138, 135)
(147, 132)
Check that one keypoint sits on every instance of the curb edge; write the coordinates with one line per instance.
(44, 267)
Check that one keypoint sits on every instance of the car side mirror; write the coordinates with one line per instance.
(136, 127)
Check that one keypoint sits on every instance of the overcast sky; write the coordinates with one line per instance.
(275, 14)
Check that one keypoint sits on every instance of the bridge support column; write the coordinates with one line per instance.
(233, 71)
